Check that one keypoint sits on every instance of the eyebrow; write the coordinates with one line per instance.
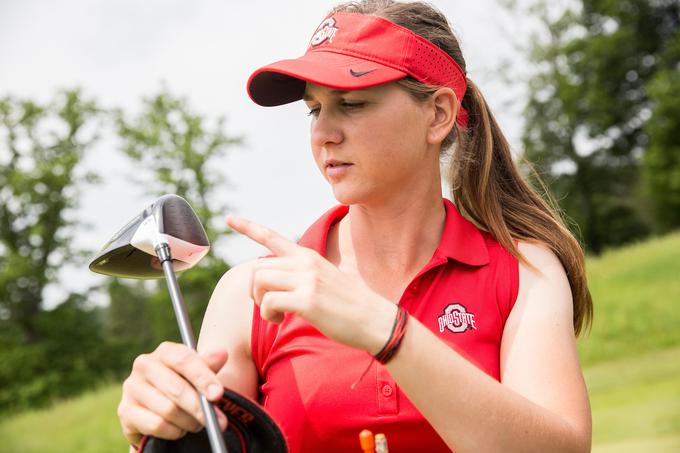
(307, 97)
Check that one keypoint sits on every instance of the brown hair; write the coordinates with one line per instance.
(485, 183)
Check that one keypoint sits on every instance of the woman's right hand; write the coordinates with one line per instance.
(160, 396)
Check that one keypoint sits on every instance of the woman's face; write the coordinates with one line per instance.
(370, 144)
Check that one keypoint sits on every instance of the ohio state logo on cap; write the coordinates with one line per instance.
(325, 32)
(457, 319)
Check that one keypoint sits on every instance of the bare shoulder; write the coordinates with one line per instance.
(544, 295)
(227, 325)
(540, 256)
(237, 275)
(230, 309)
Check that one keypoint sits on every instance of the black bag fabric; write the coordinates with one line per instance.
(250, 430)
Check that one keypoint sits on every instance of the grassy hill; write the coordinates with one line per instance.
(87, 424)
(636, 294)
(631, 358)
(636, 403)
(631, 363)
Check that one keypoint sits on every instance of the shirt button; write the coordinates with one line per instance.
(387, 390)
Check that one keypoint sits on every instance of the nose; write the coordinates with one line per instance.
(325, 130)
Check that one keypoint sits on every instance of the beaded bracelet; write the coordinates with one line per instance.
(396, 336)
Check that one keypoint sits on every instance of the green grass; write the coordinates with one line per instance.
(632, 356)
(636, 403)
(631, 363)
(85, 424)
(636, 297)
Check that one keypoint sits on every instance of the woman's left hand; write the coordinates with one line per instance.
(298, 280)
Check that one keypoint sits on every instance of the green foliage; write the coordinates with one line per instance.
(47, 355)
(589, 104)
(140, 314)
(70, 358)
(40, 148)
(180, 150)
(44, 354)
(128, 324)
(662, 158)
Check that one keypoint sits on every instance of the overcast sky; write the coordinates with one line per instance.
(204, 50)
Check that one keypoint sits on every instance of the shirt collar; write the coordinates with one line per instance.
(461, 240)
(316, 235)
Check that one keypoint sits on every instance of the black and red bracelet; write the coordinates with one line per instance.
(396, 336)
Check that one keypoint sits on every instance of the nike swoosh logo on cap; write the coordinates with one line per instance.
(359, 74)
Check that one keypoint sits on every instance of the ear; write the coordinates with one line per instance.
(445, 105)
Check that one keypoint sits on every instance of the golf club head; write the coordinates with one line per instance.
(130, 253)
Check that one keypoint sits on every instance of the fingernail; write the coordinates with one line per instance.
(214, 391)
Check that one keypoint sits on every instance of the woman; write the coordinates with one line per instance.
(471, 325)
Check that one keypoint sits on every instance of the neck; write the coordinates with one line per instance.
(387, 244)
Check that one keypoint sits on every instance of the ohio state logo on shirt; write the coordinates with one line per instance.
(457, 319)
(325, 32)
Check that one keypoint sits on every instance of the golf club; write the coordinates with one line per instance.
(166, 237)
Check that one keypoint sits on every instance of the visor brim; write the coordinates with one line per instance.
(284, 81)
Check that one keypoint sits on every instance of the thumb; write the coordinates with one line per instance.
(215, 358)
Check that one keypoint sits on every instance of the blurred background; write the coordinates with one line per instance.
(106, 105)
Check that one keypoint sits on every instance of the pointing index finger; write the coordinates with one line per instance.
(279, 245)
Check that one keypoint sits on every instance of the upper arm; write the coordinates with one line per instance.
(538, 351)
(227, 325)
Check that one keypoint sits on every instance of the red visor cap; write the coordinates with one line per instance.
(284, 81)
(351, 51)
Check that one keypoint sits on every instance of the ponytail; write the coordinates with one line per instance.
(487, 186)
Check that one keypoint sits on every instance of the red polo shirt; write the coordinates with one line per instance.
(464, 294)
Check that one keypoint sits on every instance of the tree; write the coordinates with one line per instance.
(39, 184)
(128, 324)
(178, 151)
(47, 354)
(589, 104)
(44, 354)
(662, 158)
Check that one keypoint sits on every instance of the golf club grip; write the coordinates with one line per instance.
(213, 428)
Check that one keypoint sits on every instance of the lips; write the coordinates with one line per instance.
(332, 163)
(336, 169)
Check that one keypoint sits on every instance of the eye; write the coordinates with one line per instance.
(314, 111)
(352, 105)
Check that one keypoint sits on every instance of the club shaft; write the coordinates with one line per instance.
(213, 428)
(179, 306)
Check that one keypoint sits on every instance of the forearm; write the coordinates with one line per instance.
(469, 409)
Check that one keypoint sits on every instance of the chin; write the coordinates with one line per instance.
(344, 198)
(349, 196)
